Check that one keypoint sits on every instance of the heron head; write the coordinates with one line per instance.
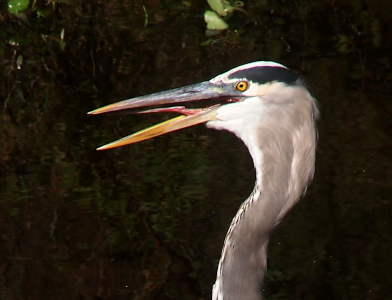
(244, 95)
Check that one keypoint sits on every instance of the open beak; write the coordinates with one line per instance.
(189, 117)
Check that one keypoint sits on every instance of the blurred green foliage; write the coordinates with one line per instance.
(17, 6)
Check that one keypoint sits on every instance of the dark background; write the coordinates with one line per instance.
(147, 221)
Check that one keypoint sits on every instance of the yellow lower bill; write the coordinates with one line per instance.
(177, 123)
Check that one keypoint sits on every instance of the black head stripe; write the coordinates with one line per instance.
(263, 75)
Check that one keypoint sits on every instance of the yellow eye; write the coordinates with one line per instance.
(242, 86)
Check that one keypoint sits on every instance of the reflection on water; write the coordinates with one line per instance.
(148, 221)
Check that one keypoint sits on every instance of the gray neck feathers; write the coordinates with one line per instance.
(284, 155)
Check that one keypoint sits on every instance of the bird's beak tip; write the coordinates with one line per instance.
(97, 111)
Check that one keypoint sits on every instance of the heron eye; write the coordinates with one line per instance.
(242, 86)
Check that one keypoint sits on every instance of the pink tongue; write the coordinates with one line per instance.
(176, 109)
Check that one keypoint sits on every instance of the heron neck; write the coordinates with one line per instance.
(244, 255)
(278, 187)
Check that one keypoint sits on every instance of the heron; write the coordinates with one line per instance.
(270, 108)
